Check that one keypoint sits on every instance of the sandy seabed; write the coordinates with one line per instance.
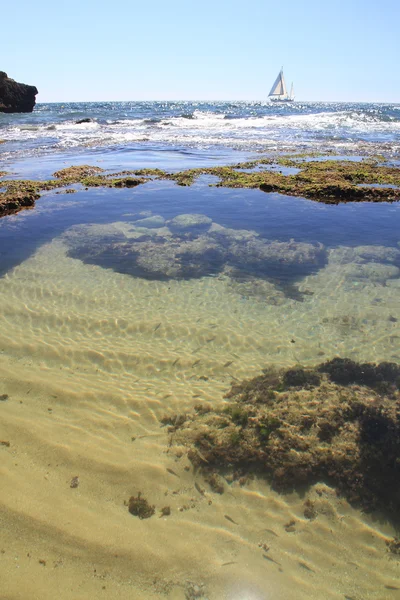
(91, 360)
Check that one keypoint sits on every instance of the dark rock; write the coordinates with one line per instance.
(300, 377)
(80, 121)
(346, 434)
(140, 507)
(345, 371)
(164, 254)
(16, 97)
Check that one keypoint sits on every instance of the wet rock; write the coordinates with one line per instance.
(16, 97)
(163, 258)
(344, 431)
(140, 507)
(160, 254)
(80, 121)
(248, 286)
(77, 172)
(365, 254)
(300, 378)
(346, 371)
(151, 222)
(371, 271)
(275, 258)
(225, 235)
(190, 223)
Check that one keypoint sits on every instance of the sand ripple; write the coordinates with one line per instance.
(92, 359)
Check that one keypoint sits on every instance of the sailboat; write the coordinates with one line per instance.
(278, 91)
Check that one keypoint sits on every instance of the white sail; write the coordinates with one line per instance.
(279, 87)
(279, 92)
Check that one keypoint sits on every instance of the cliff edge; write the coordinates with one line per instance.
(16, 97)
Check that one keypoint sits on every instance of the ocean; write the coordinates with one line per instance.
(206, 129)
(129, 315)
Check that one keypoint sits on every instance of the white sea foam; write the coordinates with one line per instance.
(244, 126)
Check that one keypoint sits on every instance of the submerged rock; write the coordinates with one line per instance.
(140, 507)
(345, 371)
(365, 254)
(151, 248)
(16, 97)
(372, 271)
(258, 289)
(152, 222)
(275, 257)
(338, 423)
(190, 223)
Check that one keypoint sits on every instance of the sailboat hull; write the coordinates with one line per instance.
(281, 100)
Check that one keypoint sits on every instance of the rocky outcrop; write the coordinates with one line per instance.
(16, 97)
(338, 423)
(191, 246)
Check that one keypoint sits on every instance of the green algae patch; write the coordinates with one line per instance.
(298, 427)
(76, 173)
(328, 181)
(20, 193)
(147, 173)
(90, 176)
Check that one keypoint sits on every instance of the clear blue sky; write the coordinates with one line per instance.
(211, 50)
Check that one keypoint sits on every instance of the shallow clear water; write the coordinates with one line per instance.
(94, 354)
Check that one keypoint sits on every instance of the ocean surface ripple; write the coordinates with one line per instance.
(243, 126)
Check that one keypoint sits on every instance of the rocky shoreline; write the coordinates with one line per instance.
(327, 181)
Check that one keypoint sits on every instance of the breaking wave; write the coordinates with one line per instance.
(240, 125)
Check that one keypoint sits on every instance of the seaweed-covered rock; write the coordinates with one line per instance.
(190, 223)
(259, 289)
(345, 371)
(146, 248)
(365, 254)
(275, 257)
(298, 377)
(372, 271)
(151, 222)
(77, 172)
(140, 507)
(16, 97)
(298, 427)
(188, 259)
